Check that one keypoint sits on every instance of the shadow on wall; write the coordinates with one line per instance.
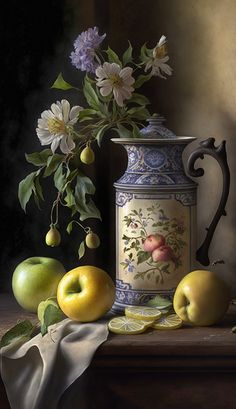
(199, 99)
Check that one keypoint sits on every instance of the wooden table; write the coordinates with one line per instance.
(192, 368)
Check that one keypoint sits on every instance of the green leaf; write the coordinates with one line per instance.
(165, 268)
(159, 302)
(141, 80)
(72, 174)
(113, 57)
(59, 178)
(89, 211)
(124, 237)
(145, 53)
(18, 334)
(84, 186)
(136, 132)
(52, 163)
(38, 192)
(80, 200)
(85, 206)
(99, 135)
(38, 188)
(90, 95)
(25, 189)
(122, 131)
(69, 227)
(81, 250)
(60, 83)
(142, 256)
(138, 99)
(139, 113)
(38, 158)
(70, 200)
(127, 56)
(52, 315)
(86, 114)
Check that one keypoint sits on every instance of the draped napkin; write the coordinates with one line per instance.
(37, 373)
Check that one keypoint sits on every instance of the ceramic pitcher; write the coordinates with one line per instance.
(156, 203)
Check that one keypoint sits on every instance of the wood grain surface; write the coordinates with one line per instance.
(187, 368)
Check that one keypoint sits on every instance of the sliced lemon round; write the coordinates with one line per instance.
(126, 325)
(166, 311)
(143, 313)
(171, 321)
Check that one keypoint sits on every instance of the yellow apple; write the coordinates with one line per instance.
(86, 293)
(201, 298)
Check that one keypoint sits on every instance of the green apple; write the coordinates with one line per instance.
(86, 293)
(201, 298)
(36, 279)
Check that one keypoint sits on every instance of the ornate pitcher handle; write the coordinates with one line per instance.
(207, 147)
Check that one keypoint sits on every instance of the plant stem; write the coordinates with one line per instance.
(87, 230)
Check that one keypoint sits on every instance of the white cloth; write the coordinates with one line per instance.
(40, 370)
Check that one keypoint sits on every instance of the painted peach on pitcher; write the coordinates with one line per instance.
(163, 253)
(153, 241)
(157, 254)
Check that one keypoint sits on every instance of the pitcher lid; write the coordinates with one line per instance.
(155, 128)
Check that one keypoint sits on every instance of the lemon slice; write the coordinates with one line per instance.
(171, 321)
(166, 311)
(143, 313)
(126, 325)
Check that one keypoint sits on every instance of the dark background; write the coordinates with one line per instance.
(36, 39)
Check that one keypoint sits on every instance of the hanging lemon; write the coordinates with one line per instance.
(92, 240)
(53, 237)
(87, 155)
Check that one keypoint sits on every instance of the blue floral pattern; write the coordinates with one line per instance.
(125, 295)
(155, 164)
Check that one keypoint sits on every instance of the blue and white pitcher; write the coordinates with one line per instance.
(156, 214)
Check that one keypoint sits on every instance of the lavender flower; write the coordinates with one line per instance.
(85, 47)
(129, 265)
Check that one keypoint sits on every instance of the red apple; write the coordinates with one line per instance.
(153, 241)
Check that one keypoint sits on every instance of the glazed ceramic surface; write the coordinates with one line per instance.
(155, 219)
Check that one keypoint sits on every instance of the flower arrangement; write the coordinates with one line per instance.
(110, 87)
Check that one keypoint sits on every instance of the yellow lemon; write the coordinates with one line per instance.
(92, 240)
(53, 237)
(87, 155)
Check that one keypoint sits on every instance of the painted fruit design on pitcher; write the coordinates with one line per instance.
(152, 243)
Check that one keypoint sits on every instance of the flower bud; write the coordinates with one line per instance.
(53, 237)
(87, 155)
(92, 240)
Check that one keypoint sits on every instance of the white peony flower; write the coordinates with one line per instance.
(113, 78)
(159, 59)
(55, 124)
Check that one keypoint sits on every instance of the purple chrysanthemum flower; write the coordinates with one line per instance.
(85, 47)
